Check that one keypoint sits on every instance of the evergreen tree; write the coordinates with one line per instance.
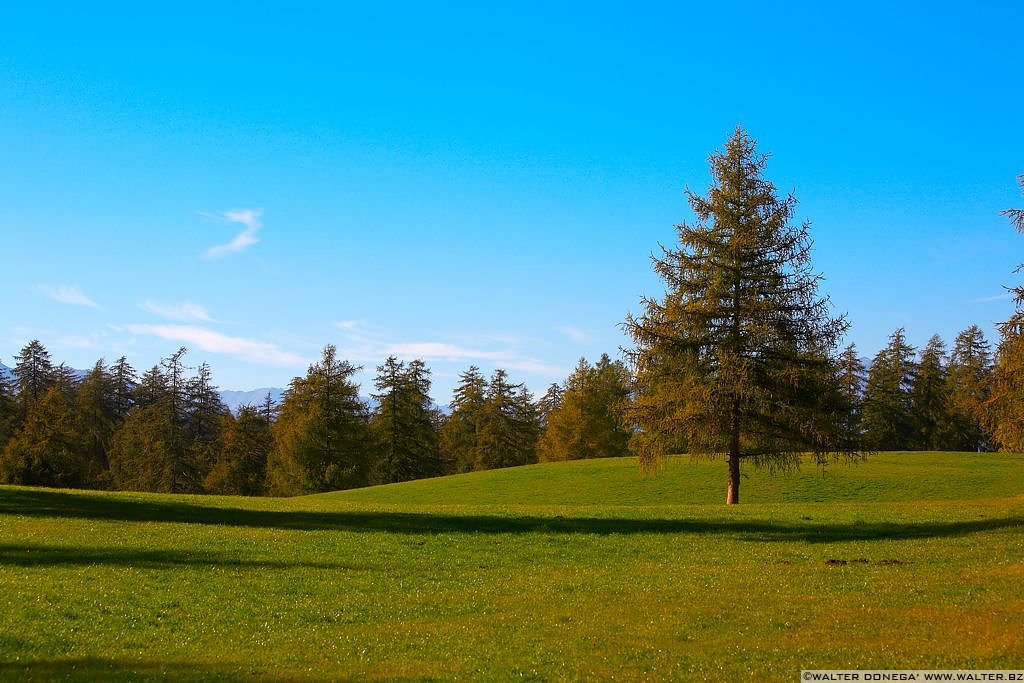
(968, 388)
(1016, 217)
(668, 387)
(246, 443)
(158, 446)
(460, 431)
(931, 418)
(151, 389)
(321, 436)
(588, 423)
(508, 428)
(526, 424)
(852, 381)
(122, 384)
(268, 409)
(149, 452)
(9, 413)
(887, 417)
(98, 419)
(403, 424)
(548, 403)
(33, 374)
(736, 356)
(203, 420)
(46, 450)
(1006, 405)
(176, 384)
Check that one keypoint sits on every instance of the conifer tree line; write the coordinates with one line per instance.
(167, 429)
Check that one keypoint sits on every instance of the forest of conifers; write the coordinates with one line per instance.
(167, 430)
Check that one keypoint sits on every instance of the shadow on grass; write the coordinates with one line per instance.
(108, 669)
(54, 556)
(59, 504)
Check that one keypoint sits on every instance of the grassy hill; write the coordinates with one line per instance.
(565, 571)
(887, 477)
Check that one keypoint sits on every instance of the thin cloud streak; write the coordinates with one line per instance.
(367, 344)
(185, 311)
(250, 350)
(249, 218)
(1005, 296)
(440, 351)
(65, 294)
(574, 334)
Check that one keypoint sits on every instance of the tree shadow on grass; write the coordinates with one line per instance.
(110, 669)
(23, 555)
(60, 504)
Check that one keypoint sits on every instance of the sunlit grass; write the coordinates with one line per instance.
(577, 570)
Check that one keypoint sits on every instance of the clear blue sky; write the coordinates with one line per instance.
(480, 182)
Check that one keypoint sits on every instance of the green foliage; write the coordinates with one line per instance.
(245, 445)
(459, 431)
(168, 441)
(887, 415)
(322, 434)
(47, 450)
(149, 453)
(735, 358)
(509, 425)
(98, 418)
(587, 420)
(928, 400)
(33, 374)
(1006, 405)
(548, 403)
(852, 378)
(403, 428)
(968, 389)
(150, 390)
(203, 419)
(122, 379)
(492, 424)
(10, 414)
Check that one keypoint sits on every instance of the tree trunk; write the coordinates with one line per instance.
(734, 478)
(733, 497)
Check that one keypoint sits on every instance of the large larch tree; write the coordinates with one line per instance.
(737, 357)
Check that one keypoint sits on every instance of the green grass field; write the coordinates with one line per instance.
(583, 570)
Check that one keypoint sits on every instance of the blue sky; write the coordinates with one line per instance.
(480, 183)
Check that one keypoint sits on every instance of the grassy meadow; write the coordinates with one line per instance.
(581, 570)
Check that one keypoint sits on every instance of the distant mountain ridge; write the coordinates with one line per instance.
(232, 399)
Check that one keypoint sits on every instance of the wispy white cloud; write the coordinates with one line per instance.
(250, 350)
(248, 218)
(440, 351)
(186, 311)
(364, 343)
(68, 295)
(535, 366)
(1005, 296)
(574, 334)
